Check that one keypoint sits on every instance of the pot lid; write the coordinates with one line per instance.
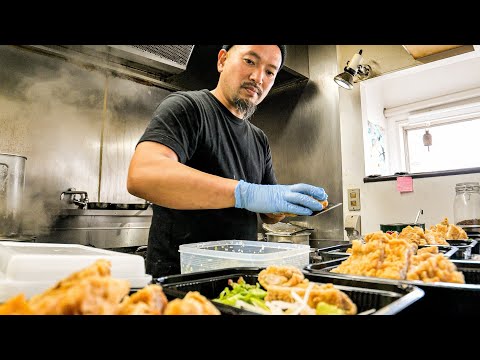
(282, 228)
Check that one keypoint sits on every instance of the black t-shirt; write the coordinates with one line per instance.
(206, 136)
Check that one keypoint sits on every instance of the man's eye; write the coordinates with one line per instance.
(248, 61)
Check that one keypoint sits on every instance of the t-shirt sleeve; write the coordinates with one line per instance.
(175, 123)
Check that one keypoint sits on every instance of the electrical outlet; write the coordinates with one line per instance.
(353, 199)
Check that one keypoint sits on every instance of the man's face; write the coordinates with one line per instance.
(248, 73)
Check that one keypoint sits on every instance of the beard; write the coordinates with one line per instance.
(245, 106)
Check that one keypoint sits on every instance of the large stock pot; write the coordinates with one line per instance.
(12, 183)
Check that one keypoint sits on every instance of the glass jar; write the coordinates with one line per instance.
(466, 206)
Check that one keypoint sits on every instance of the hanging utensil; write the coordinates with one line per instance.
(418, 215)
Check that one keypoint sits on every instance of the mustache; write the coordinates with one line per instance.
(252, 85)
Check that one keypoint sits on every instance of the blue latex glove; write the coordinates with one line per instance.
(292, 199)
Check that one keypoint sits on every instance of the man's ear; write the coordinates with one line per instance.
(222, 56)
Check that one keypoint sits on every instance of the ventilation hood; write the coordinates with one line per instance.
(165, 59)
(149, 63)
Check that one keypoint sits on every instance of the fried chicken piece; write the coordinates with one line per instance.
(192, 304)
(17, 305)
(364, 260)
(455, 232)
(434, 237)
(326, 293)
(381, 256)
(88, 291)
(150, 300)
(94, 295)
(280, 275)
(413, 234)
(434, 267)
(428, 249)
(397, 258)
(323, 202)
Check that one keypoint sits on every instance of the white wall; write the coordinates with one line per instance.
(380, 201)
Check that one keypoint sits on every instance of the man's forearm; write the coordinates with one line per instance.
(169, 183)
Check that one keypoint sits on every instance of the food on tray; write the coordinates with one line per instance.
(92, 291)
(386, 256)
(436, 235)
(192, 304)
(286, 292)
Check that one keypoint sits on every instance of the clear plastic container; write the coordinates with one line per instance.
(466, 206)
(32, 268)
(223, 254)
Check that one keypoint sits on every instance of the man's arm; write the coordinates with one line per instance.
(156, 175)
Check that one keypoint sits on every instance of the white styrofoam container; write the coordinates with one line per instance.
(222, 254)
(32, 268)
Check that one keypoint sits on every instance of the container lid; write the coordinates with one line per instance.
(467, 186)
(245, 249)
(33, 266)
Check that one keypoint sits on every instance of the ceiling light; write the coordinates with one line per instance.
(353, 68)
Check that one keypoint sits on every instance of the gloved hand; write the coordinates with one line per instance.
(292, 199)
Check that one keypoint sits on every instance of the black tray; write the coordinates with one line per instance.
(440, 297)
(387, 299)
(465, 248)
(339, 251)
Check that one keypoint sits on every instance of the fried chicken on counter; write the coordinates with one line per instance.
(281, 281)
(430, 267)
(92, 291)
(381, 256)
(326, 293)
(436, 235)
(280, 275)
(192, 304)
(88, 291)
(16, 305)
(414, 234)
(150, 300)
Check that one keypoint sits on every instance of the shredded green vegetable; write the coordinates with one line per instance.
(240, 290)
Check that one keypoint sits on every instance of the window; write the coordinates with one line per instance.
(454, 127)
(442, 96)
(454, 146)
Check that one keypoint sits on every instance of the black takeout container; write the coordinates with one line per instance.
(441, 298)
(386, 299)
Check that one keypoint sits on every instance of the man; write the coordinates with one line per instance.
(206, 168)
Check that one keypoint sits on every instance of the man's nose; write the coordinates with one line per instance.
(257, 76)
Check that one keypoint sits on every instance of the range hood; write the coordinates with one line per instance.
(155, 63)
(164, 59)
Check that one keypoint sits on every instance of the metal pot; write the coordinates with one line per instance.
(12, 183)
(298, 238)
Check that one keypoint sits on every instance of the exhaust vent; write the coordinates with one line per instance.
(172, 59)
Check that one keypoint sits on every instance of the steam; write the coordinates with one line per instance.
(52, 113)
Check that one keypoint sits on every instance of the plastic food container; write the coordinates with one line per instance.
(369, 296)
(222, 254)
(31, 268)
(440, 297)
(398, 227)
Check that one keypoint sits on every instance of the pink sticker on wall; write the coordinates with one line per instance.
(404, 183)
